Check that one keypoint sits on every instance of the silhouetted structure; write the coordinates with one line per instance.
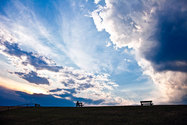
(146, 103)
(36, 105)
(79, 104)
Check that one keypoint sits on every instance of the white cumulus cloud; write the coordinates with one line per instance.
(132, 24)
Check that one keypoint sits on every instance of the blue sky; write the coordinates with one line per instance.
(101, 52)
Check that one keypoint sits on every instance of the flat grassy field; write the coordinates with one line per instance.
(123, 115)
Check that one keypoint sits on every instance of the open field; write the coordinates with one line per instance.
(126, 115)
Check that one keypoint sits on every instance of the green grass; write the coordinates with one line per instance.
(126, 115)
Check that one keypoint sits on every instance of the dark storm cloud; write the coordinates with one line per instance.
(9, 97)
(89, 101)
(33, 77)
(55, 90)
(38, 62)
(69, 82)
(85, 86)
(171, 37)
(84, 100)
(13, 98)
(13, 49)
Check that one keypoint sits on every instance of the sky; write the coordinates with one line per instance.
(99, 52)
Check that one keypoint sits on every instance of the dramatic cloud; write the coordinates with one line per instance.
(14, 98)
(156, 30)
(37, 62)
(61, 82)
(33, 78)
(170, 37)
(17, 85)
(59, 53)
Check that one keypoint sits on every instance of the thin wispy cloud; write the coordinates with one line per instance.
(101, 52)
(52, 77)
